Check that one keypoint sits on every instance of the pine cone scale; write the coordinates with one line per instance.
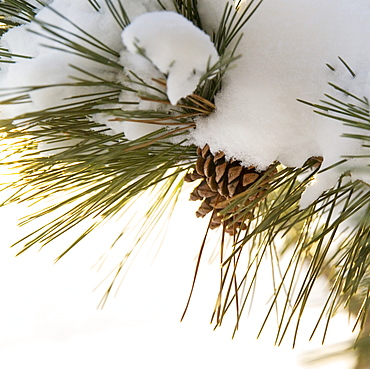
(234, 173)
(220, 171)
(199, 166)
(211, 181)
(209, 167)
(249, 178)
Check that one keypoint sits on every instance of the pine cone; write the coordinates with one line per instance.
(221, 180)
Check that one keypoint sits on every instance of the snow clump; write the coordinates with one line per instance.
(175, 46)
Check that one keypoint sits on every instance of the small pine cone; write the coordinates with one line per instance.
(221, 180)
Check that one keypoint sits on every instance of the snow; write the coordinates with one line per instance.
(49, 66)
(285, 48)
(175, 46)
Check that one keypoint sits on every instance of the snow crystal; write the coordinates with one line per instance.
(175, 46)
(285, 48)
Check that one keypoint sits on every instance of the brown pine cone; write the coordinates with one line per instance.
(221, 180)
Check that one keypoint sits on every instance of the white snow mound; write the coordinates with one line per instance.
(175, 46)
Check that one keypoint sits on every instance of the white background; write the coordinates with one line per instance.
(49, 316)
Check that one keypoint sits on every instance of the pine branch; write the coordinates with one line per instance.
(97, 175)
(91, 175)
